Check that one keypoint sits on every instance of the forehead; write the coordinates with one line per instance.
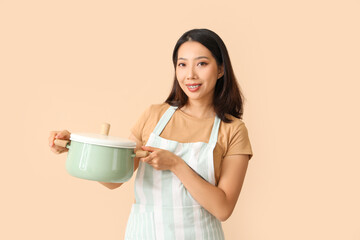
(192, 49)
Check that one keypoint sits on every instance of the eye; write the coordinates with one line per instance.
(202, 63)
(181, 64)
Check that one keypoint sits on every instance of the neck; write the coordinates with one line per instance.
(199, 110)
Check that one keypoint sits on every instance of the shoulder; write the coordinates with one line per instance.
(148, 120)
(234, 137)
(234, 126)
(157, 109)
(233, 132)
(153, 113)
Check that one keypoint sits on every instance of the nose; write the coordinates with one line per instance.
(191, 74)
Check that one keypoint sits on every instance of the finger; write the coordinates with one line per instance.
(146, 159)
(55, 150)
(58, 149)
(149, 149)
(52, 138)
(149, 162)
(63, 135)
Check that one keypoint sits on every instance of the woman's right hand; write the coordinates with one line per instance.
(65, 135)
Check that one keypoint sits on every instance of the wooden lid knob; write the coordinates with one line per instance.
(105, 128)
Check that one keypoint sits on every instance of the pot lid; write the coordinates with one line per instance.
(102, 140)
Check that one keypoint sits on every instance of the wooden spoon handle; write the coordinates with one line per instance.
(61, 143)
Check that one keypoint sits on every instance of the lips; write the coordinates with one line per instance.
(193, 87)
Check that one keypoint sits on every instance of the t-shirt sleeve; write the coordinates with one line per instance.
(138, 127)
(239, 141)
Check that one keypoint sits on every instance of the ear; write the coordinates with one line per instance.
(220, 71)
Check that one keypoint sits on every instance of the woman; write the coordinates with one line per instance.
(199, 147)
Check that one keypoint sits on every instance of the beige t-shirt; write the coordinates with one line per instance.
(233, 137)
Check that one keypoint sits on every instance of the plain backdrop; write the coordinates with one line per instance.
(75, 64)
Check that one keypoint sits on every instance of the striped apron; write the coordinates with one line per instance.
(164, 209)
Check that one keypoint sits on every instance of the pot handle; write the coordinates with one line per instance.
(141, 154)
(61, 143)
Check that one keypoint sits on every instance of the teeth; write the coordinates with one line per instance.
(194, 86)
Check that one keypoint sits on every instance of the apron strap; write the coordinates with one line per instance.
(164, 120)
(215, 131)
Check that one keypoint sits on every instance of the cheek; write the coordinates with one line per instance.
(179, 77)
(211, 77)
(181, 84)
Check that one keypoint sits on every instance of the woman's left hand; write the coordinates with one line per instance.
(160, 159)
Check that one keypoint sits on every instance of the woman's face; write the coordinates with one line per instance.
(197, 71)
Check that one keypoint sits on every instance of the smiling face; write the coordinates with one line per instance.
(197, 72)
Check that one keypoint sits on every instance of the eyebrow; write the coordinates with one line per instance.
(195, 58)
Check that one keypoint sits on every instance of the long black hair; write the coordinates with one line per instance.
(228, 98)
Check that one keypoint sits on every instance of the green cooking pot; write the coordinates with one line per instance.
(99, 157)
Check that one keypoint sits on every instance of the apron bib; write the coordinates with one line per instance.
(164, 209)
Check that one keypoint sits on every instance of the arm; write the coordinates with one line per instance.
(219, 200)
(136, 164)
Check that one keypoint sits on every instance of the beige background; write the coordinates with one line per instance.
(75, 64)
